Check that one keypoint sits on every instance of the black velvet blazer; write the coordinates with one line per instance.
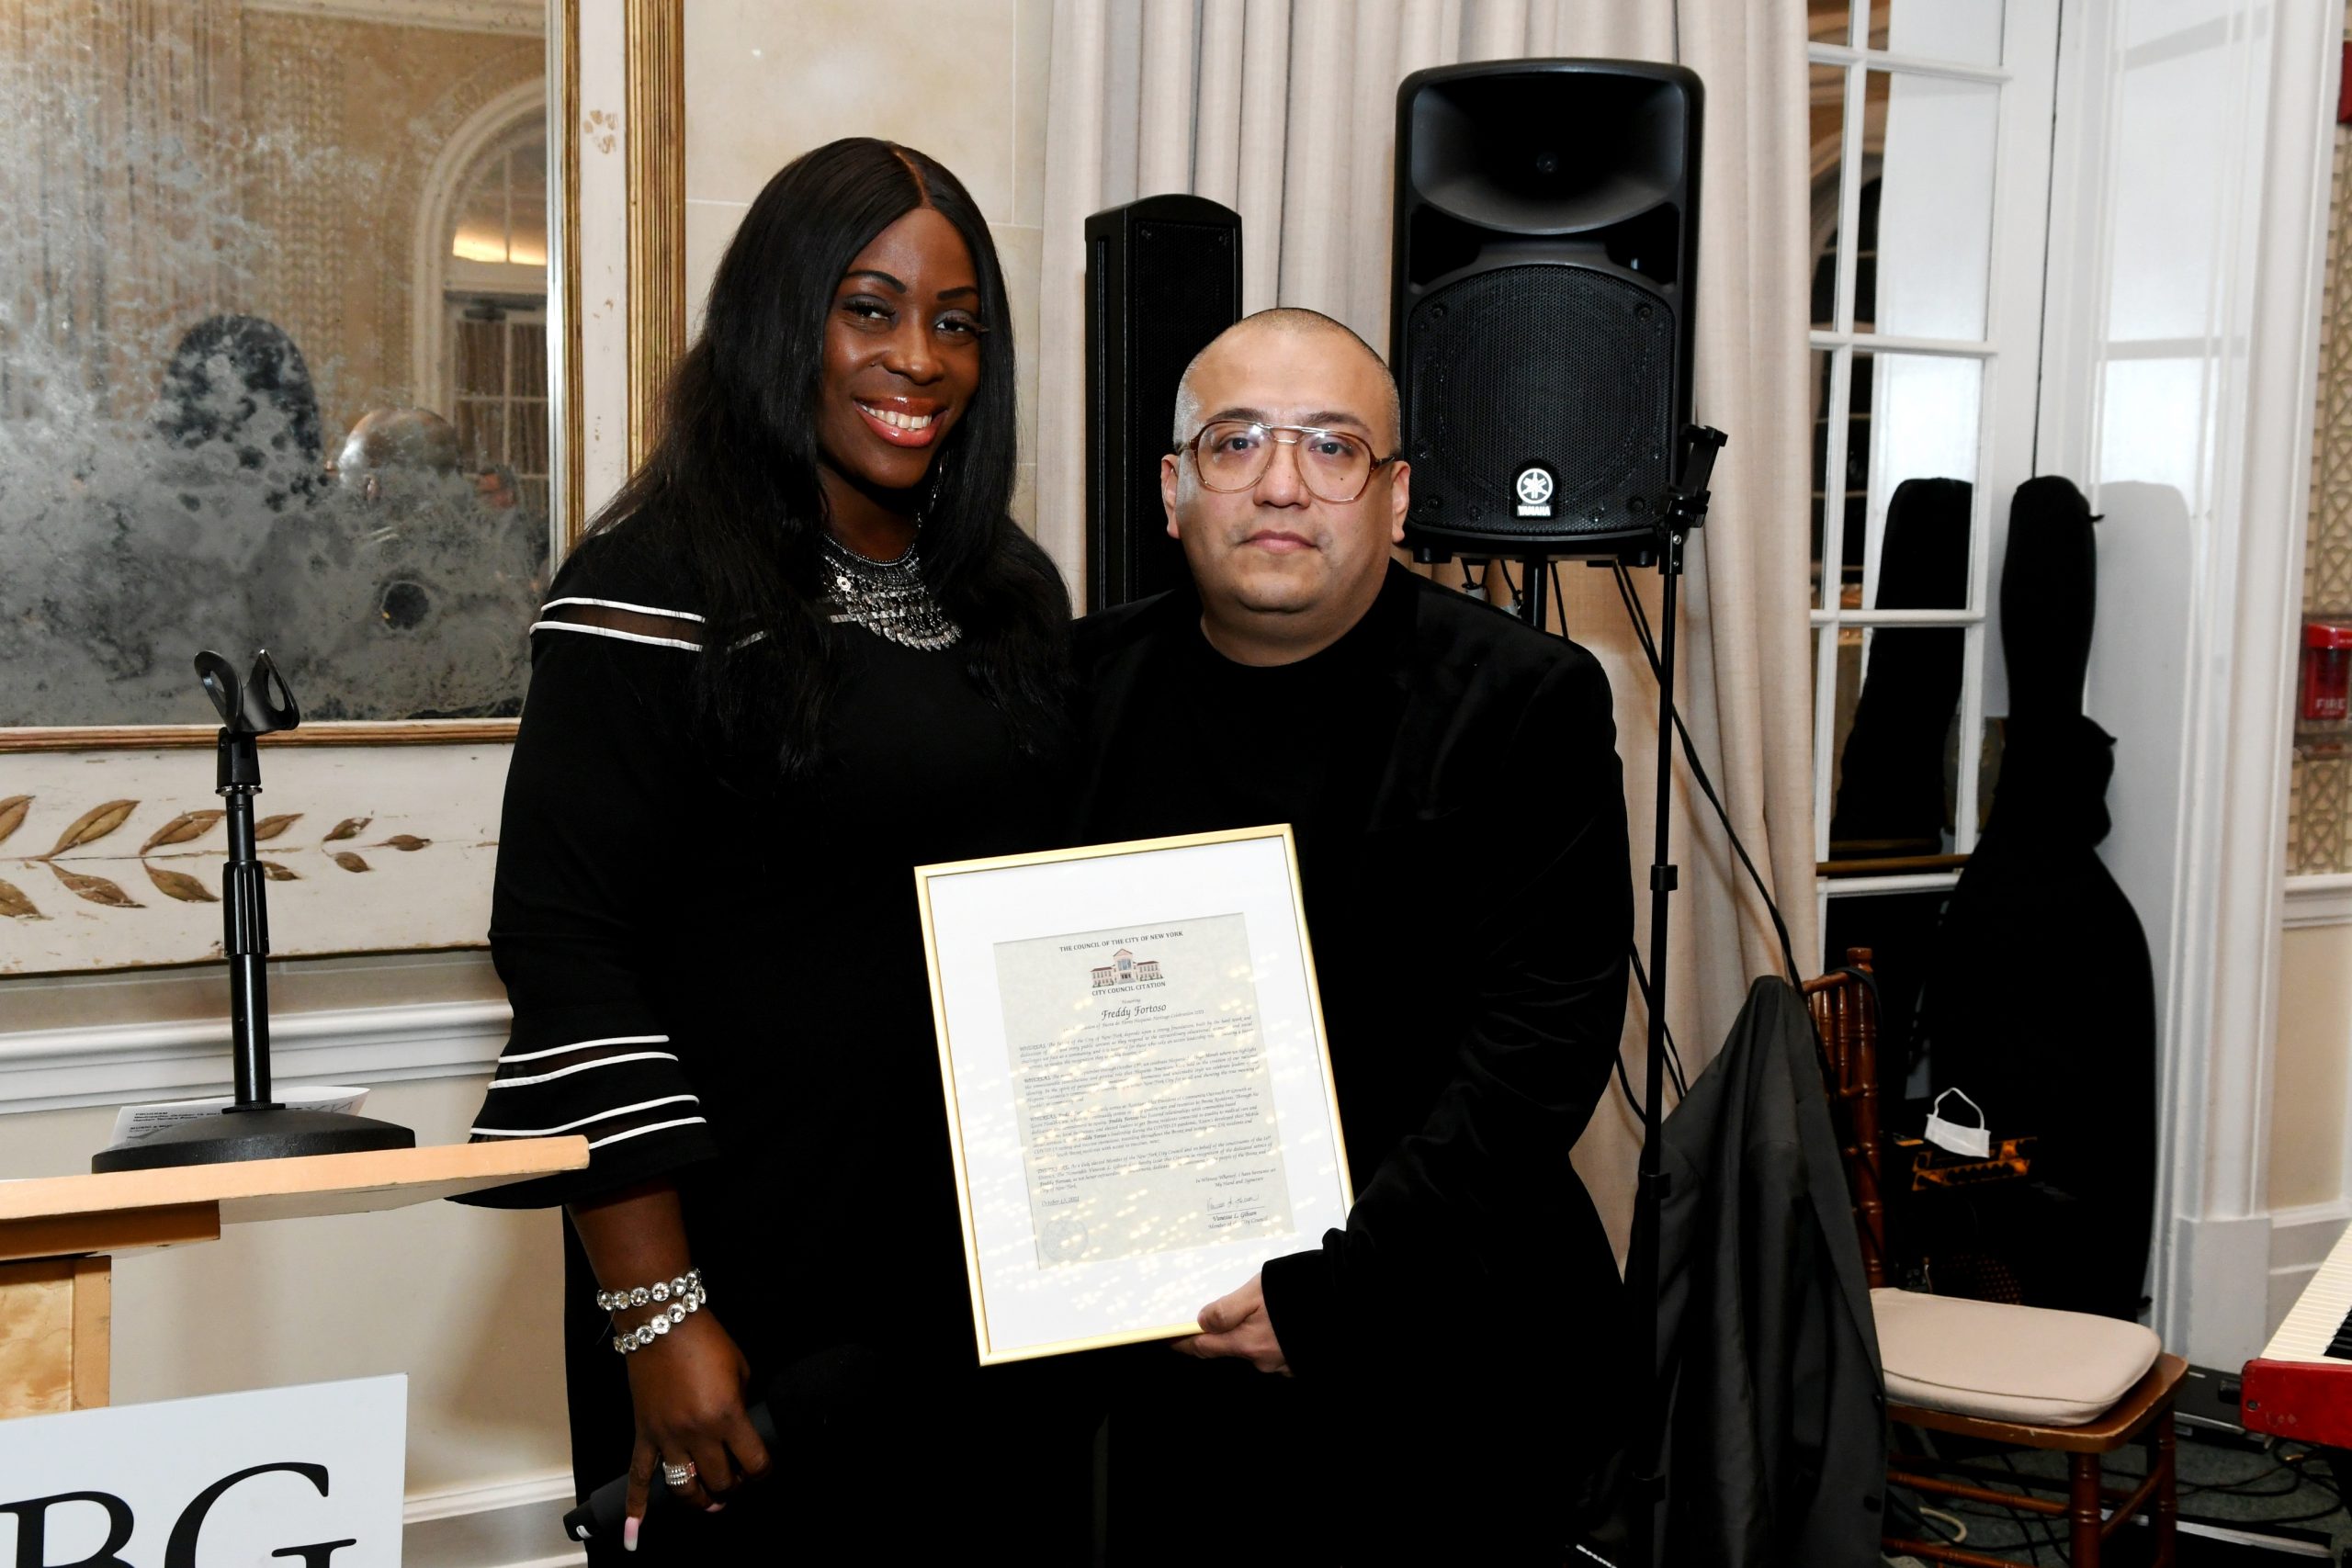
(1468, 890)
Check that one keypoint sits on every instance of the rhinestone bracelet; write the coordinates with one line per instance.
(649, 1295)
(646, 1333)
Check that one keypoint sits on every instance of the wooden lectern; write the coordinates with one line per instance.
(58, 1237)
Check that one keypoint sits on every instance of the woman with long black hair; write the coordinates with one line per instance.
(804, 650)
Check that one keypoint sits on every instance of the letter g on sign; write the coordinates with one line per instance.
(180, 1552)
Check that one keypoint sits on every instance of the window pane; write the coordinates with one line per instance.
(1839, 512)
(1865, 304)
(1898, 929)
(528, 451)
(481, 431)
(1915, 418)
(482, 358)
(1932, 234)
(1829, 21)
(527, 206)
(1923, 552)
(2153, 429)
(1828, 113)
(529, 345)
(481, 233)
(1898, 696)
(1965, 32)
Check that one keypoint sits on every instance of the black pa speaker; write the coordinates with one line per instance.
(1163, 276)
(1540, 304)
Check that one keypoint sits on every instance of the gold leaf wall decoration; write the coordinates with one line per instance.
(93, 825)
(185, 829)
(97, 889)
(187, 825)
(179, 885)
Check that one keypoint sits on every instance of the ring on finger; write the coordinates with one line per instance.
(679, 1475)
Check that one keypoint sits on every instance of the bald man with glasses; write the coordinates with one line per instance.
(1444, 1387)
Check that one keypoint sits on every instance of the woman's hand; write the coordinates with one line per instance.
(687, 1391)
(687, 1388)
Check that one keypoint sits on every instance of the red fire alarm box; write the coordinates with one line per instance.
(2327, 672)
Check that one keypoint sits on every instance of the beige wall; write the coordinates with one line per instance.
(2309, 1076)
(963, 83)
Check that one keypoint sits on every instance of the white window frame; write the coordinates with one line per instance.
(2011, 352)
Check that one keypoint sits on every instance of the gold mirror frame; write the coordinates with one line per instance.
(653, 63)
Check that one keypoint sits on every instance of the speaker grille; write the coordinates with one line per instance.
(1556, 364)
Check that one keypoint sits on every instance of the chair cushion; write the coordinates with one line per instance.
(2007, 1363)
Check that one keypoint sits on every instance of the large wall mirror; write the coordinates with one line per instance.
(290, 348)
(280, 358)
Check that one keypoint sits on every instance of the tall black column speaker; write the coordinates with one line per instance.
(1163, 276)
(1539, 326)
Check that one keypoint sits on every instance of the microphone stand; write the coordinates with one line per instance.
(254, 1126)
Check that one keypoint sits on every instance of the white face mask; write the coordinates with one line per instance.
(1956, 1136)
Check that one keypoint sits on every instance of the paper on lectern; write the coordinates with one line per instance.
(137, 1123)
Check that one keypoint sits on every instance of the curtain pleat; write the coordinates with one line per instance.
(1286, 112)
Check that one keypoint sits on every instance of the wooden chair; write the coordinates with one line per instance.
(1989, 1343)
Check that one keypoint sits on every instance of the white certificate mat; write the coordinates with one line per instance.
(1139, 1094)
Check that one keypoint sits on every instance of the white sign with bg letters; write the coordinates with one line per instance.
(310, 1475)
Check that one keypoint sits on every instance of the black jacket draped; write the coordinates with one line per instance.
(1776, 1430)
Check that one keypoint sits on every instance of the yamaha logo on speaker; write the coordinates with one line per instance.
(1534, 487)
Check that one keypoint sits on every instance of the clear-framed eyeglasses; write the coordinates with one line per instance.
(1336, 465)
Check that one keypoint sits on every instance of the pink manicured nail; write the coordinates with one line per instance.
(629, 1533)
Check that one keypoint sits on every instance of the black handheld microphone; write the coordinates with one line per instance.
(601, 1515)
(820, 1395)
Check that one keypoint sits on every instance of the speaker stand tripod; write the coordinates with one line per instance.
(1687, 511)
(1684, 513)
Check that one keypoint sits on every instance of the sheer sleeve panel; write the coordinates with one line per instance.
(601, 763)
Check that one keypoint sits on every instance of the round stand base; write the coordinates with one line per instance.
(275, 1134)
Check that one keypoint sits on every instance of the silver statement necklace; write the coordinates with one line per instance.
(887, 598)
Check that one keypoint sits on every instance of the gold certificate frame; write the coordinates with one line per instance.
(1140, 1095)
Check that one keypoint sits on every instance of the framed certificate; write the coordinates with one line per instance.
(1140, 1092)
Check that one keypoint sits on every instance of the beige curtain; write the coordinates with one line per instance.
(1286, 111)
(118, 182)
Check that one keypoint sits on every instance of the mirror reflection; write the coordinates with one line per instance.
(272, 357)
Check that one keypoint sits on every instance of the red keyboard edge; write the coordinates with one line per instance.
(2308, 1401)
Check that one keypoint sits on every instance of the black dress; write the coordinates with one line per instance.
(717, 978)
